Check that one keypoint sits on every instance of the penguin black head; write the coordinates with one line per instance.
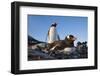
(54, 24)
(70, 37)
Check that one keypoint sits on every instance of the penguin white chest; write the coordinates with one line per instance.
(52, 36)
(69, 50)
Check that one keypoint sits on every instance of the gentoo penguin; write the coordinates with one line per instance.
(66, 45)
(52, 34)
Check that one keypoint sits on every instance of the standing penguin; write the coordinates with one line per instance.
(52, 34)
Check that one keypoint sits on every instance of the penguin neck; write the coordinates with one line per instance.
(69, 43)
(53, 26)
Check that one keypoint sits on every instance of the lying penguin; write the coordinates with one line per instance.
(66, 46)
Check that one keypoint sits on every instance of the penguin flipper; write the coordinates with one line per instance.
(58, 37)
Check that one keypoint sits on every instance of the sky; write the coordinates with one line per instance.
(38, 26)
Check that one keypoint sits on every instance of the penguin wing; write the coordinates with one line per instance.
(48, 32)
(58, 37)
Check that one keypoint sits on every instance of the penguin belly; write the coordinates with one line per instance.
(52, 35)
(69, 50)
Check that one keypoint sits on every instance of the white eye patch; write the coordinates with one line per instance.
(68, 36)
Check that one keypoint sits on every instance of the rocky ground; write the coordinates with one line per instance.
(37, 54)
